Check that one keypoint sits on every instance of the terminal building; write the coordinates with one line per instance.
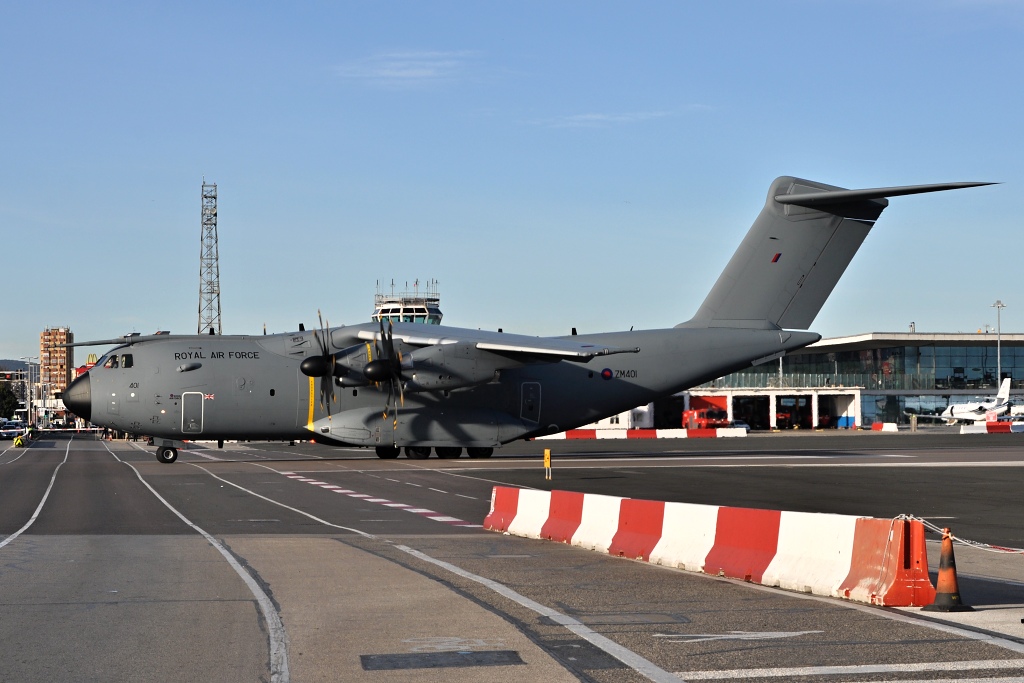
(861, 379)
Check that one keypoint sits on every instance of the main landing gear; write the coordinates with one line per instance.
(388, 452)
(423, 452)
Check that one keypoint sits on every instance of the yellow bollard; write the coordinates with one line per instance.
(547, 464)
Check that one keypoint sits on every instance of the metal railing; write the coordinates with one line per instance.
(865, 381)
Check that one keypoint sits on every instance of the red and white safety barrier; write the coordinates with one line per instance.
(876, 561)
(884, 427)
(648, 433)
(993, 428)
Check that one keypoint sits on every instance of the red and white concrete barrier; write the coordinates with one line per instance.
(717, 432)
(993, 428)
(876, 561)
(884, 427)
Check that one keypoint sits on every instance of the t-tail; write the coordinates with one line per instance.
(795, 253)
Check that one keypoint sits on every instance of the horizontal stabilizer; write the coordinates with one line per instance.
(828, 198)
(862, 204)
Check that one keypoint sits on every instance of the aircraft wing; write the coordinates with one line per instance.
(934, 418)
(551, 348)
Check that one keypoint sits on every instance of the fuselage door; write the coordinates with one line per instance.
(530, 408)
(192, 412)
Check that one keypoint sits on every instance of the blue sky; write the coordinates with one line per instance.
(552, 165)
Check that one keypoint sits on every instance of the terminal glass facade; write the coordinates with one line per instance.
(901, 368)
(895, 374)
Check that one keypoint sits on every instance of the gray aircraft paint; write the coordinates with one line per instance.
(470, 388)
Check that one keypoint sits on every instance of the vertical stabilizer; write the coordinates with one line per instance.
(1004, 392)
(795, 253)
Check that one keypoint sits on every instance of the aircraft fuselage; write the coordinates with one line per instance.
(251, 387)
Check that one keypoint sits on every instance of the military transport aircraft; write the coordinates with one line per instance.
(447, 389)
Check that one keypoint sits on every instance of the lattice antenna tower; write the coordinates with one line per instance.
(209, 267)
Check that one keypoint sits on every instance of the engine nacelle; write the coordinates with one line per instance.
(349, 364)
(453, 366)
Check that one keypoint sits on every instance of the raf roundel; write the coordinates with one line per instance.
(607, 373)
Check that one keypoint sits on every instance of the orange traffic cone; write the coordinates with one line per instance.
(947, 592)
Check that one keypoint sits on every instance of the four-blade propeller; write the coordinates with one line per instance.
(387, 367)
(384, 366)
(322, 366)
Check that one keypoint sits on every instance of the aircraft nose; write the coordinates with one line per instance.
(78, 397)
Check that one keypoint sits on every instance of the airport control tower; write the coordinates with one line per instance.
(422, 304)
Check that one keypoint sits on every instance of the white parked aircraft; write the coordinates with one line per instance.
(982, 411)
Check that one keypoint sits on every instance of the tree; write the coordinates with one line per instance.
(8, 400)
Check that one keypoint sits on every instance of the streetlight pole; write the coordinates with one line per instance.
(999, 306)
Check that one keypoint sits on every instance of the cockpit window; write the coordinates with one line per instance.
(111, 362)
(126, 360)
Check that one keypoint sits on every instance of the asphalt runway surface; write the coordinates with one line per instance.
(270, 562)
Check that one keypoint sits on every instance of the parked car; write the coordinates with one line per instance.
(10, 430)
(740, 424)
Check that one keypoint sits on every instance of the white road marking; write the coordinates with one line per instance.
(631, 659)
(276, 634)
(287, 507)
(46, 495)
(857, 669)
(731, 635)
(429, 514)
(905, 615)
(204, 455)
(438, 490)
(23, 452)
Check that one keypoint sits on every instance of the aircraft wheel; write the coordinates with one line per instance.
(166, 455)
(388, 452)
(480, 452)
(417, 452)
(447, 452)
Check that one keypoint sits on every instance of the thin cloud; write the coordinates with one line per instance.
(605, 120)
(408, 69)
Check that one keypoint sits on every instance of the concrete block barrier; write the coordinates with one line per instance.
(864, 559)
(993, 428)
(716, 433)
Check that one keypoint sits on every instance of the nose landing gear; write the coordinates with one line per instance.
(167, 449)
(166, 455)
